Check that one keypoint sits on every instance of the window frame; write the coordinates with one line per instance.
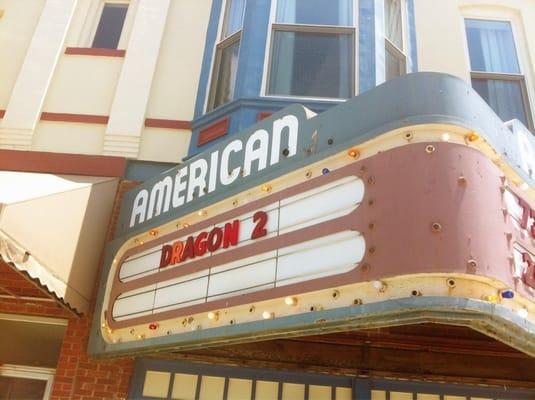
(399, 54)
(522, 77)
(360, 387)
(220, 44)
(310, 28)
(29, 372)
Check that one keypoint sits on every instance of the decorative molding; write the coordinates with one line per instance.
(214, 131)
(174, 124)
(80, 118)
(62, 163)
(98, 52)
(16, 139)
(167, 123)
(121, 146)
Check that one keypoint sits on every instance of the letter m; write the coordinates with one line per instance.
(160, 197)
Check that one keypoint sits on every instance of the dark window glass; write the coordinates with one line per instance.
(311, 64)
(21, 388)
(110, 26)
(315, 12)
(37, 344)
(491, 46)
(226, 77)
(504, 97)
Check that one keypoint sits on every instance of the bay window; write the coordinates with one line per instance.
(312, 49)
(395, 58)
(495, 69)
(227, 54)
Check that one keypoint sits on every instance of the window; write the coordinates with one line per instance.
(110, 25)
(496, 74)
(312, 49)
(166, 379)
(395, 59)
(226, 57)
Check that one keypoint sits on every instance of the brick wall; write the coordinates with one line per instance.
(80, 378)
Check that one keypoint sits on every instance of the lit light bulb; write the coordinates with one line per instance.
(353, 153)
(213, 315)
(268, 315)
(266, 188)
(472, 137)
(492, 298)
(290, 301)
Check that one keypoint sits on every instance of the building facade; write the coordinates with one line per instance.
(267, 199)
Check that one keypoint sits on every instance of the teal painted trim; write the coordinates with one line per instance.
(492, 319)
(137, 170)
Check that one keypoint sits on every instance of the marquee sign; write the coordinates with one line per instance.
(306, 223)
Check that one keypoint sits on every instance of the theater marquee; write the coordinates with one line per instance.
(348, 219)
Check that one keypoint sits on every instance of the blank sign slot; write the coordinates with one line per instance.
(245, 261)
(334, 254)
(135, 304)
(139, 266)
(346, 196)
(242, 291)
(181, 292)
(242, 278)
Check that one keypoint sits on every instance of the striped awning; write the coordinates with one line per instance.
(53, 229)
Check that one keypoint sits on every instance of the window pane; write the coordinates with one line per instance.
(21, 388)
(394, 64)
(110, 26)
(311, 64)
(233, 17)
(226, 79)
(491, 46)
(505, 97)
(37, 344)
(393, 19)
(156, 384)
(315, 12)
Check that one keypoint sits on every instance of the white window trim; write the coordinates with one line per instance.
(27, 372)
(94, 14)
(219, 43)
(511, 16)
(268, 51)
(34, 319)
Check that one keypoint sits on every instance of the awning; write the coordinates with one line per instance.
(53, 229)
